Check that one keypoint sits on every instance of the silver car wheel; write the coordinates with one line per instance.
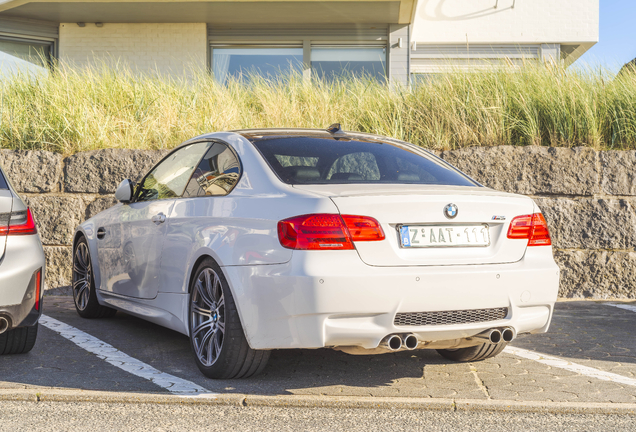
(82, 276)
(207, 317)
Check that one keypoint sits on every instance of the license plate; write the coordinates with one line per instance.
(413, 236)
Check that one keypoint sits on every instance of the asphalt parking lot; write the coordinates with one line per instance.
(589, 355)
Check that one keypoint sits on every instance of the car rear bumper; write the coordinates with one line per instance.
(23, 257)
(330, 298)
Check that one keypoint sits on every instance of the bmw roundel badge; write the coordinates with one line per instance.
(450, 211)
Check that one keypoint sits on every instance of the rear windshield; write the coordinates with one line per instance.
(3, 182)
(312, 160)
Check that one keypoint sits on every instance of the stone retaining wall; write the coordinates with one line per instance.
(588, 199)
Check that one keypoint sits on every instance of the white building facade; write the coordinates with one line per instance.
(397, 40)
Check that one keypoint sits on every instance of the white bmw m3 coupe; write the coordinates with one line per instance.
(254, 240)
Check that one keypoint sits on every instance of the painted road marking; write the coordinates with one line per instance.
(568, 365)
(622, 306)
(123, 361)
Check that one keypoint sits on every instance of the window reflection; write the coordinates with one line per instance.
(333, 62)
(169, 178)
(216, 174)
(266, 62)
(24, 56)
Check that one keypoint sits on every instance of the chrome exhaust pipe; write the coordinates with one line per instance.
(4, 324)
(508, 334)
(411, 342)
(391, 342)
(492, 336)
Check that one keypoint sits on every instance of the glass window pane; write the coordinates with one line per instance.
(356, 161)
(169, 178)
(355, 166)
(3, 183)
(216, 174)
(332, 62)
(266, 62)
(24, 56)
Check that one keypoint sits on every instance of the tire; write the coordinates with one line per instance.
(19, 340)
(217, 339)
(84, 295)
(473, 353)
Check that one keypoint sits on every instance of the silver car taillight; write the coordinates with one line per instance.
(17, 223)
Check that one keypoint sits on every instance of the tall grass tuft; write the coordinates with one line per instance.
(71, 110)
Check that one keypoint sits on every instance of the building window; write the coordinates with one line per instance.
(327, 62)
(331, 62)
(240, 63)
(24, 55)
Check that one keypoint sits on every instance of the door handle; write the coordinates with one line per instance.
(159, 218)
(101, 232)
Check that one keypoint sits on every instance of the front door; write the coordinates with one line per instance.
(130, 261)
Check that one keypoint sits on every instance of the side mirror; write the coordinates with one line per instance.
(124, 192)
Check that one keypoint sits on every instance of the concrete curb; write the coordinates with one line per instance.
(309, 401)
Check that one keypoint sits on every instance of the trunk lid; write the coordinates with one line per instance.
(422, 206)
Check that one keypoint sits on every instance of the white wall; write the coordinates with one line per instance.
(166, 48)
(530, 21)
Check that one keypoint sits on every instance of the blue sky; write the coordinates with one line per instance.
(617, 36)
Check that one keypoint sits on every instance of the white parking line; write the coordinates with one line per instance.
(567, 365)
(123, 361)
(622, 306)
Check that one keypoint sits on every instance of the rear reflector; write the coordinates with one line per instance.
(38, 289)
(17, 223)
(327, 231)
(532, 227)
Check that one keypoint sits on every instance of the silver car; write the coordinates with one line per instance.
(22, 268)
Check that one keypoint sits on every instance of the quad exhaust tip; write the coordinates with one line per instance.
(394, 343)
(508, 334)
(4, 324)
(411, 342)
(494, 336)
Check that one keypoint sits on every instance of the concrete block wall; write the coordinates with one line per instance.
(166, 48)
(587, 197)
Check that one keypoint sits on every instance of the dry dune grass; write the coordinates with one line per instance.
(68, 110)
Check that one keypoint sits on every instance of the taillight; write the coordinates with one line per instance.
(363, 228)
(17, 223)
(38, 288)
(327, 231)
(532, 227)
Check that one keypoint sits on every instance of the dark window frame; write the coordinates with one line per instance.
(188, 143)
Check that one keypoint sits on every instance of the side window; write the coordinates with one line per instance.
(216, 174)
(360, 166)
(169, 178)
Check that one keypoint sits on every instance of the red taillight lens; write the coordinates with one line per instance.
(532, 227)
(38, 289)
(317, 231)
(363, 228)
(18, 223)
(327, 231)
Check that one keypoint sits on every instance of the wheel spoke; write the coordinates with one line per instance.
(201, 326)
(202, 345)
(217, 344)
(220, 325)
(203, 294)
(201, 311)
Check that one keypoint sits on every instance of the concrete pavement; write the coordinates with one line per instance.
(587, 333)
